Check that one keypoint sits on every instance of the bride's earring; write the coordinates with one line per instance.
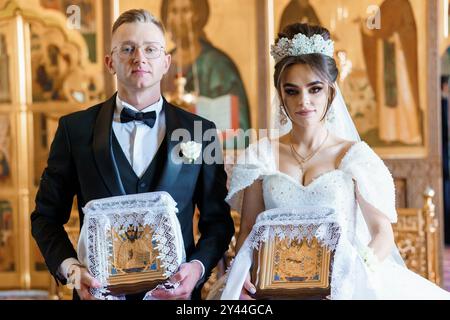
(283, 116)
(330, 116)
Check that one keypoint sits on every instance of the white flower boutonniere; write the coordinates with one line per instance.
(191, 150)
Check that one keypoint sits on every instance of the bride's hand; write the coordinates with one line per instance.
(248, 289)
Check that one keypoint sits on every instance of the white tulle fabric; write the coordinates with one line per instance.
(360, 168)
(155, 209)
(310, 222)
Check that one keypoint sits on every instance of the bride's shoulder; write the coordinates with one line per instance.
(262, 144)
(354, 152)
(258, 152)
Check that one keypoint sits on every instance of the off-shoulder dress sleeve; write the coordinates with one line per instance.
(373, 179)
(255, 162)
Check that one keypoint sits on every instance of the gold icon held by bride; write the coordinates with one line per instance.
(286, 269)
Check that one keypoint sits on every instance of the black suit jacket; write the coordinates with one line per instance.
(81, 164)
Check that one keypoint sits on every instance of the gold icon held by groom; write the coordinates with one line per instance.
(133, 259)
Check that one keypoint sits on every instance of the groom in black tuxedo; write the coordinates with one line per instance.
(125, 146)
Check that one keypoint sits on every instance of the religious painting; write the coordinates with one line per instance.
(206, 71)
(298, 11)
(5, 88)
(381, 55)
(59, 71)
(88, 16)
(445, 63)
(65, 63)
(6, 151)
(391, 57)
(7, 254)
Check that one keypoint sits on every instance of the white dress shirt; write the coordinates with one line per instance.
(139, 143)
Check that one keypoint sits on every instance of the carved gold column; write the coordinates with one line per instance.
(22, 152)
(432, 236)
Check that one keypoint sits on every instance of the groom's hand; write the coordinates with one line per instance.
(80, 279)
(188, 275)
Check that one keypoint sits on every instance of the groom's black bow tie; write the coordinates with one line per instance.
(128, 115)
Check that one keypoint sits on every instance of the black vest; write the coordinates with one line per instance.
(133, 184)
(130, 181)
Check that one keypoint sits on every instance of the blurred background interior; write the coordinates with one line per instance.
(394, 59)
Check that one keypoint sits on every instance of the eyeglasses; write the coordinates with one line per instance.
(151, 50)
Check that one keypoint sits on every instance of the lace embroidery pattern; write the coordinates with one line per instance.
(296, 224)
(306, 223)
(156, 209)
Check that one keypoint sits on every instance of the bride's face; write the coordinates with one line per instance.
(304, 94)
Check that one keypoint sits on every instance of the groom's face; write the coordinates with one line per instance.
(136, 71)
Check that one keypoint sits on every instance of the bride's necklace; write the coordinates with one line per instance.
(303, 160)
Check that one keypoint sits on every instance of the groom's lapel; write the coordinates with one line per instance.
(172, 167)
(102, 148)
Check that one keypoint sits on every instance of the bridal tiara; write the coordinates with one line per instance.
(300, 45)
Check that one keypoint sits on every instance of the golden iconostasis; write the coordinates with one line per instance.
(51, 61)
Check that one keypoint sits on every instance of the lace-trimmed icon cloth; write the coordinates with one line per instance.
(291, 252)
(131, 243)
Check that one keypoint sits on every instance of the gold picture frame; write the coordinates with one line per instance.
(7, 152)
(10, 267)
(5, 65)
(288, 269)
(7, 243)
(66, 57)
(90, 22)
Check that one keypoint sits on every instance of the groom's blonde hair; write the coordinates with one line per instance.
(137, 15)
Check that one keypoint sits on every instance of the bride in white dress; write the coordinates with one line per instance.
(319, 161)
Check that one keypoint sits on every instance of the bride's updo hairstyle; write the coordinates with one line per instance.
(322, 64)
